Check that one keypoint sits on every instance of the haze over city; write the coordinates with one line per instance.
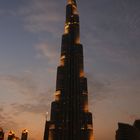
(30, 41)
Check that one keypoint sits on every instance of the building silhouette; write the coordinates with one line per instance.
(70, 118)
(1, 134)
(11, 135)
(137, 124)
(24, 134)
(128, 132)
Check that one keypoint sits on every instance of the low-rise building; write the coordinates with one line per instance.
(128, 132)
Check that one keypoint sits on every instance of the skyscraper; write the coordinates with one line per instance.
(24, 134)
(1, 134)
(70, 118)
(11, 135)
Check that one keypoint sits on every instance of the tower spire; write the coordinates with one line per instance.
(72, 2)
(72, 26)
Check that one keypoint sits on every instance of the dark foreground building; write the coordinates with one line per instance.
(1, 134)
(128, 132)
(70, 118)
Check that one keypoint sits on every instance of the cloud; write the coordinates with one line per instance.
(131, 116)
(34, 100)
(16, 114)
(1, 109)
(23, 84)
(47, 50)
(2, 12)
(40, 106)
(6, 120)
(98, 90)
(114, 34)
(40, 16)
(134, 116)
(7, 12)
(121, 55)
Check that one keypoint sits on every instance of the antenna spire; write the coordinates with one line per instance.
(73, 2)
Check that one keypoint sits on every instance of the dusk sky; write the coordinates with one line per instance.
(30, 42)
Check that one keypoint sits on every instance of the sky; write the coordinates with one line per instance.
(30, 43)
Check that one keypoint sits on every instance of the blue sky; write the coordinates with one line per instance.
(30, 41)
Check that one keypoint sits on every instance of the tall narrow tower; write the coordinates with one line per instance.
(70, 118)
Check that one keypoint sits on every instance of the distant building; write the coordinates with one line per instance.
(24, 134)
(1, 134)
(128, 132)
(137, 124)
(11, 136)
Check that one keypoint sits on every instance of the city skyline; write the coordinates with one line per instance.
(30, 41)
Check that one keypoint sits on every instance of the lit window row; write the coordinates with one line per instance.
(85, 108)
(57, 95)
(84, 93)
(81, 73)
(89, 126)
(69, 23)
(58, 92)
(52, 126)
(62, 60)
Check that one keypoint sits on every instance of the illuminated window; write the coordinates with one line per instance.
(62, 60)
(76, 23)
(81, 73)
(25, 131)
(11, 133)
(84, 93)
(89, 126)
(85, 108)
(57, 95)
(52, 126)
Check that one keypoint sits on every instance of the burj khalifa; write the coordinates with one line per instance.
(70, 118)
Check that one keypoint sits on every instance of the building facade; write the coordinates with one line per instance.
(128, 132)
(24, 134)
(11, 135)
(1, 134)
(70, 117)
